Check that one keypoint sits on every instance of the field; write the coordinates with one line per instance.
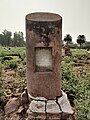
(75, 79)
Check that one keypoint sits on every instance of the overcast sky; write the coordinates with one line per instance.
(75, 14)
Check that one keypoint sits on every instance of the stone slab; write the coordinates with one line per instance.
(36, 116)
(37, 106)
(64, 104)
(59, 109)
(53, 116)
(52, 107)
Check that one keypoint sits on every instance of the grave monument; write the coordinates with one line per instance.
(43, 53)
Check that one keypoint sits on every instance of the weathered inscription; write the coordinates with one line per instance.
(43, 59)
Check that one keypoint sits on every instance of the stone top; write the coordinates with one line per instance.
(43, 17)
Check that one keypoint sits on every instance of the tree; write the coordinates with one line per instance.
(21, 41)
(18, 39)
(1, 39)
(86, 45)
(7, 40)
(7, 37)
(81, 39)
(68, 39)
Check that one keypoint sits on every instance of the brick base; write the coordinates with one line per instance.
(57, 109)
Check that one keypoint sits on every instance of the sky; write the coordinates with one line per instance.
(75, 15)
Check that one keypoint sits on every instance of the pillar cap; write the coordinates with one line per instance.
(43, 16)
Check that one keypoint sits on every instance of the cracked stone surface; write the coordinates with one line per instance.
(58, 109)
(64, 103)
(43, 50)
(52, 107)
(37, 106)
(44, 37)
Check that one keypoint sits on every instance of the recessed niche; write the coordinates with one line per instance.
(43, 59)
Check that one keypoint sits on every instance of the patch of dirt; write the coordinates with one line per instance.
(13, 85)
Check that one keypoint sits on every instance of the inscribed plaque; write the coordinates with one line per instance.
(43, 59)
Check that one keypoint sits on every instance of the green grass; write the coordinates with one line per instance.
(79, 52)
(75, 84)
(13, 50)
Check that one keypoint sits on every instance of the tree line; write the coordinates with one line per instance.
(81, 41)
(17, 40)
(7, 40)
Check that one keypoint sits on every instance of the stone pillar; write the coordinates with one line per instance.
(43, 41)
(43, 53)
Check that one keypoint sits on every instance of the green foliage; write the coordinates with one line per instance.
(21, 85)
(79, 53)
(69, 78)
(18, 39)
(12, 64)
(73, 46)
(5, 51)
(86, 45)
(77, 86)
(76, 46)
(68, 38)
(83, 101)
(1, 39)
(81, 39)
(1, 88)
(23, 55)
(7, 40)
(22, 72)
(9, 53)
(24, 61)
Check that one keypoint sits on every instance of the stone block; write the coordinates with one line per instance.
(37, 106)
(64, 104)
(56, 109)
(53, 116)
(36, 116)
(52, 107)
(67, 116)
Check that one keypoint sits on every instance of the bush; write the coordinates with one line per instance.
(22, 72)
(83, 99)
(77, 87)
(73, 46)
(13, 65)
(24, 61)
(69, 81)
(79, 53)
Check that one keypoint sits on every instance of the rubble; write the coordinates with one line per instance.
(11, 106)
